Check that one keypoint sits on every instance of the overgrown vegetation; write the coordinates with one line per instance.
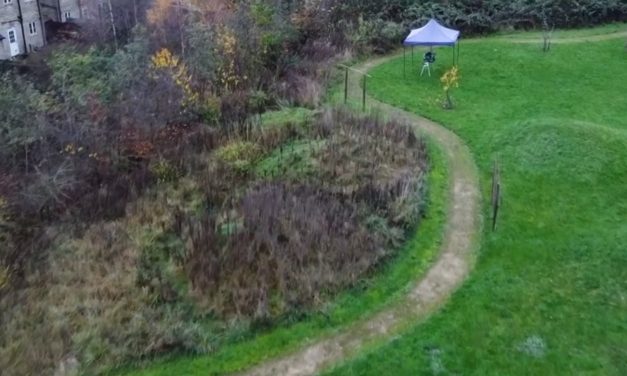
(218, 243)
(150, 204)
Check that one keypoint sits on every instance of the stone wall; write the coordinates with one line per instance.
(30, 34)
(33, 36)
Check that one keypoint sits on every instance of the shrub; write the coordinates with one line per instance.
(157, 270)
(377, 36)
(164, 171)
(210, 111)
(240, 155)
(50, 188)
(19, 134)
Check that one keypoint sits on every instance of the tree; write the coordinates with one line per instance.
(450, 80)
(113, 20)
(22, 120)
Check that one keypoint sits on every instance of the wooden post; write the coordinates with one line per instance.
(346, 87)
(457, 60)
(495, 214)
(364, 95)
(363, 74)
(496, 193)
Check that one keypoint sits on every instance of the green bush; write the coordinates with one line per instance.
(157, 268)
(240, 155)
(377, 36)
(165, 171)
(210, 110)
(479, 17)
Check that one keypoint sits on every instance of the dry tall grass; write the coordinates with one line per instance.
(215, 245)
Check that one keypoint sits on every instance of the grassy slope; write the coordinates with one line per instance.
(556, 269)
(373, 295)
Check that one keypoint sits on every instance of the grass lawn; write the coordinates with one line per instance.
(370, 296)
(547, 296)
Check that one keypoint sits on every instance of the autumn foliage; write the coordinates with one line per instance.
(450, 80)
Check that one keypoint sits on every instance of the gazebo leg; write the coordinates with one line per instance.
(404, 63)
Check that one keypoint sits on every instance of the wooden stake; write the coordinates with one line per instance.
(346, 87)
(496, 193)
(364, 95)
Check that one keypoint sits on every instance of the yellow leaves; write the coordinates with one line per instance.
(166, 60)
(72, 149)
(450, 79)
(227, 41)
(227, 47)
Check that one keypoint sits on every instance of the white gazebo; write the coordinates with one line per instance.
(430, 35)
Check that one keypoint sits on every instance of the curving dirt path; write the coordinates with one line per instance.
(461, 238)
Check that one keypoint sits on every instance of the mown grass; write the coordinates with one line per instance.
(390, 283)
(547, 296)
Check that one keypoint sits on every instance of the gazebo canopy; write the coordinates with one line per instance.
(432, 34)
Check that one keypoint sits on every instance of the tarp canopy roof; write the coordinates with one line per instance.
(432, 34)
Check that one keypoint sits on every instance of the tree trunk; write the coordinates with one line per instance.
(135, 12)
(113, 28)
(449, 101)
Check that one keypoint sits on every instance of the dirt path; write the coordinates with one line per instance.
(556, 40)
(463, 230)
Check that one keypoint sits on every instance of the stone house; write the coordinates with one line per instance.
(23, 23)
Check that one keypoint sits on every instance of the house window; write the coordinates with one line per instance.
(7, 1)
(12, 36)
(32, 28)
(67, 15)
